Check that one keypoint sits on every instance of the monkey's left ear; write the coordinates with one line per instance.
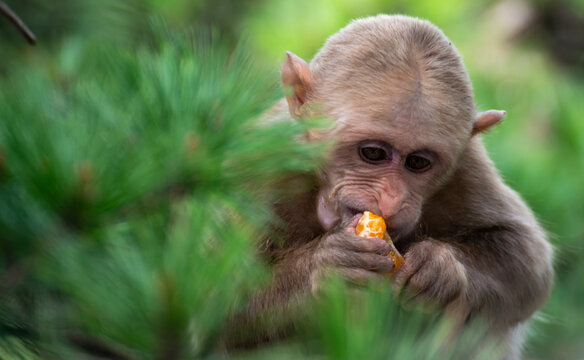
(297, 82)
(486, 120)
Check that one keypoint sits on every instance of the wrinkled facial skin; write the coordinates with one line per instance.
(387, 162)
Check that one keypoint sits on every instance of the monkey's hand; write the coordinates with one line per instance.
(431, 274)
(301, 271)
(355, 258)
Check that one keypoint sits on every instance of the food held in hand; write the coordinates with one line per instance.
(370, 226)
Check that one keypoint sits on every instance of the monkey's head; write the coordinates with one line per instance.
(403, 112)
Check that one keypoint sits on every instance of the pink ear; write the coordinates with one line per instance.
(297, 82)
(486, 120)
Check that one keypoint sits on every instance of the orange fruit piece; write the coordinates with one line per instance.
(373, 226)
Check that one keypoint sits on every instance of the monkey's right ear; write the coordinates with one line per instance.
(486, 120)
(296, 81)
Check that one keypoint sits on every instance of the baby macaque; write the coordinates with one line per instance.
(407, 146)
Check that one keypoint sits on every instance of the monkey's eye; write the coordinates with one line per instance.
(374, 154)
(417, 163)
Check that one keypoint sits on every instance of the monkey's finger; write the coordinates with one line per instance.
(430, 298)
(403, 274)
(367, 261)
(423, 289)
(368, 245)
(359, 276)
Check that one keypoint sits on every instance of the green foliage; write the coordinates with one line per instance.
(129, 193)
(126, 159)
(370, 323)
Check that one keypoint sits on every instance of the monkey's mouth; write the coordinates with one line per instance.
(354, 215)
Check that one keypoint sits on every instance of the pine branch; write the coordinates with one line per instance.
(96, 348)
(16, 21)
(12, 277)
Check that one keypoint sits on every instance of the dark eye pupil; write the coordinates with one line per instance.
(417, 162)
(373, 153)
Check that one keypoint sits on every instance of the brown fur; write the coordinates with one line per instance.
(470, 243)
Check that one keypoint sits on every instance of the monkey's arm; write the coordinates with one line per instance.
(480, 250)
(272, 312)
(509, 269)
(501, 273)
(298, 269)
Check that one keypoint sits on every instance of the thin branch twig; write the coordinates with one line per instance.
(15, 20)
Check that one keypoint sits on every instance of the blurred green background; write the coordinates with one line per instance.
(526, 57)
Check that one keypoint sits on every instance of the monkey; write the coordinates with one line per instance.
(407, 145)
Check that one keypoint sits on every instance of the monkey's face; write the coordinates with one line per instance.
(388, 165)
(403, 113)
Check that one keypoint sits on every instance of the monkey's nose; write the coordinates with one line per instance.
(389, 205)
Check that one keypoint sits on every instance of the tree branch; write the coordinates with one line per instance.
(15, 20)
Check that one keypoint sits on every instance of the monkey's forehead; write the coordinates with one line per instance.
(409, 94)
(385, 114)
(405, 133)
